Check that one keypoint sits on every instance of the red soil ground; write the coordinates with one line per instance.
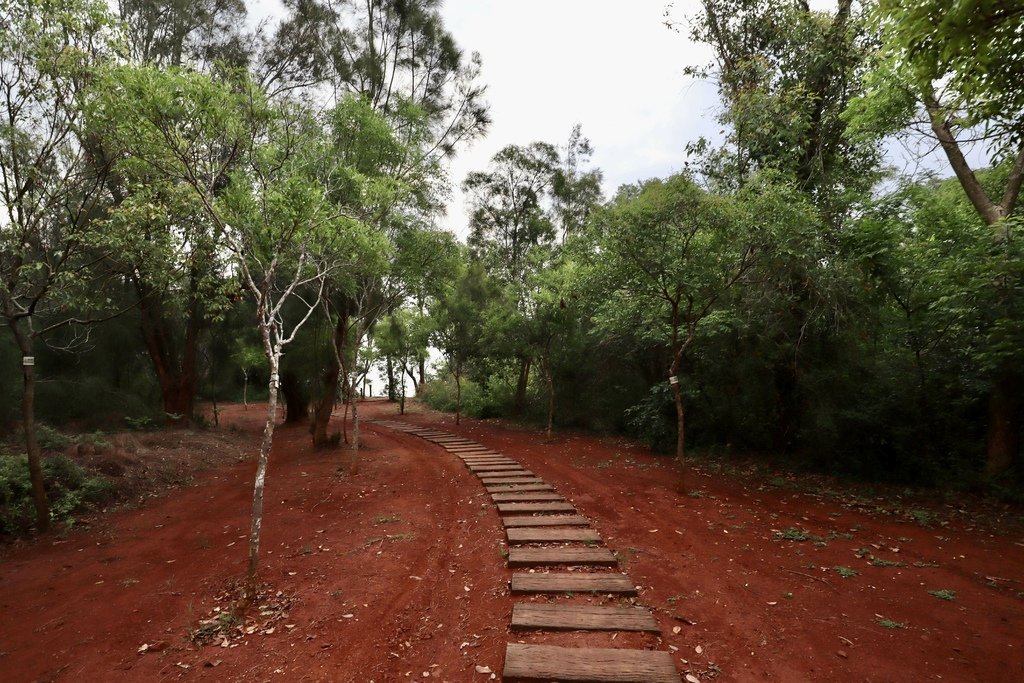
(397, 572)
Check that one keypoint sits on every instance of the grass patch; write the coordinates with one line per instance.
(845, 572)
(877, 562)
(890, 624)
(944, 594)
(792, 534)
(386, 520)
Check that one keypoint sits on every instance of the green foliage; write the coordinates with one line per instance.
(885, 622)
(653, 419)
(69, 488)
(845, 572)
(944, 594)
(792, 534)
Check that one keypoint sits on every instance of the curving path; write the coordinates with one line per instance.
(559, 553)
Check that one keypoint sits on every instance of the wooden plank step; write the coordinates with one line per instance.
(587, 665)
(510, 481)
(558, 617)
(494, 468)
(527, 497)
(467, 448)
(520, 487)
(506, 508)
(545, 535)
(546, 520)
(549, 557)
(572, 582)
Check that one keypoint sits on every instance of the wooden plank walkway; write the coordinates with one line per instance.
(546, 520)
(572, 582)
(557, 617)
(506, 508)
(557, 535)
(533, 513)
(509, 481)
(553, 557)
(520, 487)
(587, 665)
(527, 497)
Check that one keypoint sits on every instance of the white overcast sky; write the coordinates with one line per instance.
(610, 65)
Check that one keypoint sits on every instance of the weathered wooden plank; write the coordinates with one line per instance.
(505, 508)
(510, 481)
(526, 497)
(520, 487)
(572, 582)
(468, 448)
(550, 557)
(504, 474)
(494, 468)
(552, 535)
(558, 617)
(587, 665)
(545, 520)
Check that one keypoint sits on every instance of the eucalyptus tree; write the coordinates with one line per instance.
(51, 198)
(951, 74)
(523, 206)
(664, 254)
(185, 32)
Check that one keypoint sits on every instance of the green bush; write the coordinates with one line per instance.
(653, 419)
(69, 489)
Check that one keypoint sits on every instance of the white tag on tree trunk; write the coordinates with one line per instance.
(28, 360)
(673, 380)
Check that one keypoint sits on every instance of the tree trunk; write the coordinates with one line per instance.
(295, 401)
(178, 379)
(354, 466)
(677, 394)
(458, 397)
(261, 475)
(549, 380)
(392, 392)
(1003, 423)
(519, 406)
(423, 368)
(245, 390)
(28, 423)
(323, 408)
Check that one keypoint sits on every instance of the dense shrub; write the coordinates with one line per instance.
(69, 489)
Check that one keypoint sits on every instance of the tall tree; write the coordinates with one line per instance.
(51, 197)
(938, 71)
(663, 256)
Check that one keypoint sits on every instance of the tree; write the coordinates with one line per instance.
(51, 198)
(284, 233)
(402, 337)
(458, 323)
(662, 256)
(528, 198)
(246, 357)
(937, 71)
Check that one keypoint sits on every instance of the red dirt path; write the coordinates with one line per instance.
(397, 572)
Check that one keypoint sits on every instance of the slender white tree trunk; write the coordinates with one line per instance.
(261, 476)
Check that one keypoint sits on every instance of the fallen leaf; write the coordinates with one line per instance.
(483, 669)
(677, 629)
(690, 678)
(143, 648)
(698, 649)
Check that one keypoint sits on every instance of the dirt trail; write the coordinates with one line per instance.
(398, 571)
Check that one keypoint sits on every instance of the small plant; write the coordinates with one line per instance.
(696, 493)
(889, 623)
(844, 535)
(788, 595)
(139, 424)
(944, 594)
(925, 565)
(846, 572)
(877, 562)
(386, 520)
(862, 552)
(923, 517)
(792, 534)
(307, 550)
